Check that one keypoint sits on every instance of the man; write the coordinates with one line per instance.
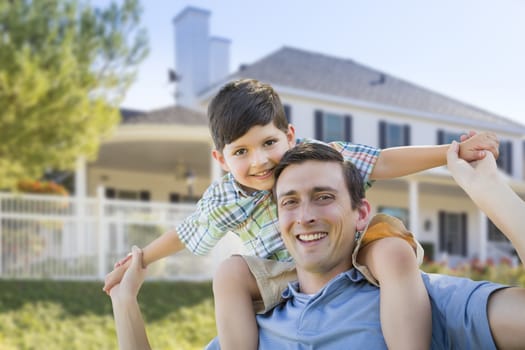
(322, 212)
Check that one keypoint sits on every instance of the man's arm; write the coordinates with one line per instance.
(400, 161)
(483, 183)
(165, 245)
(131, 331)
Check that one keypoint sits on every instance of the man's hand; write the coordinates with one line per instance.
(115, 276)
(129, 286)
(467, 174)
(474, 146)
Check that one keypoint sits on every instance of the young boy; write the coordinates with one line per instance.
(251, 133)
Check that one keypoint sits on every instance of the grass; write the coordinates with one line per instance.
(78, 315)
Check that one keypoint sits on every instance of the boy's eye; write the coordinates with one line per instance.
(240, 152)
(270, 142)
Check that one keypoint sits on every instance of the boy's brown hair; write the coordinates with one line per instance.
(240, 105)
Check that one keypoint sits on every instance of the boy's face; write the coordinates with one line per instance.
(252, 157)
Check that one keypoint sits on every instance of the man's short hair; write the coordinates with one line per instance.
(321, 152)
(240, 105)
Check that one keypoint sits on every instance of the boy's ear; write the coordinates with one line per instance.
(220, 158)
(290, 135)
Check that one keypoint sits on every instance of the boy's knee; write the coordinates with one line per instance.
(394, 256)
(233, 272)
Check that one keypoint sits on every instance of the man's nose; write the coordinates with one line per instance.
(306, 215)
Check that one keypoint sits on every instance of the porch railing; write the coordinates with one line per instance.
(55, 237)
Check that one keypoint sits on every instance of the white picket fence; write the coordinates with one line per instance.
(55, 237)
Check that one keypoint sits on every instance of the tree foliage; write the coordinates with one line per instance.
(64, 68)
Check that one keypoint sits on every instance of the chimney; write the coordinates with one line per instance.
(199, 59)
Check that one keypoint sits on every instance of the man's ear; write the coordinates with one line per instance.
(363, 215)
(220, 159)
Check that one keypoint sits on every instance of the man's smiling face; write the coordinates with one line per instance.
(316, 218)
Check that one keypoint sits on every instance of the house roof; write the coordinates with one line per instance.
(166, 115)
(327, 75)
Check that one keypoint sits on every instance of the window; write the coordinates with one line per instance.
(400, 213)
(494, 234)
(393, 135)
(505, 156)
(445, 137)
(453, 233)
(288, 112)
(332, 127)
(112, 193)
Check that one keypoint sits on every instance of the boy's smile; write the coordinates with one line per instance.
(252, 157)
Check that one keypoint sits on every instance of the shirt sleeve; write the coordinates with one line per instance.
(221, 209)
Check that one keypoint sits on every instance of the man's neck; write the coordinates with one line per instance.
(312, 282)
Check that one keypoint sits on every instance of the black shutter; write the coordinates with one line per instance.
(144, 196)
(382, 134)
(406, 135)
(442, 236)
(348, 127)
(441, 137)
(509, 157)
(174, 197)
(287, 112)
(110, 193)
(319, 125)
(464, 249)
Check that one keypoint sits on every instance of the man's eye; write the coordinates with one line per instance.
(287, 202)
(325, 197)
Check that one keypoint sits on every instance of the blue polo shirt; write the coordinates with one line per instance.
(345, 314)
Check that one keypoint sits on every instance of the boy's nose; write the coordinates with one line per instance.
(259, 157)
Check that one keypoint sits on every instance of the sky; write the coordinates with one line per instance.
(471, 50)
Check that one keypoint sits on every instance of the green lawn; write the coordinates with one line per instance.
(78, 315)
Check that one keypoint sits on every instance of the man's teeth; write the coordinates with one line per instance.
(311, 237)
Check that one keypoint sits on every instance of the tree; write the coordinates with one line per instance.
(64, 69)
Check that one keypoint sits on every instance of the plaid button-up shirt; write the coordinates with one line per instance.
(225, 207)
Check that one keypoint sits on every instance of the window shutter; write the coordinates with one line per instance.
(382, 134)
(464, 249)
(509, 157)
(319, 125)
(442, 243)
(406, 135)
(348, 127)
(287, 112)
(441, 136)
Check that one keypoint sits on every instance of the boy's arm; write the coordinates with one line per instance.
(165, 245)
(400, 161)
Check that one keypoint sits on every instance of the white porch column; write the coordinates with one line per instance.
(80, 178)
(413, 192)
(80, 201)
(483, 236)
(102, 233)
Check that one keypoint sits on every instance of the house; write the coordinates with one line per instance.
(164, 155)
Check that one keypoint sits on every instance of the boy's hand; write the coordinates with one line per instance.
(115, 276)
(474, 146)
(467, 174)
(133, 278)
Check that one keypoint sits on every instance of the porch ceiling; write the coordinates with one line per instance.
(167, 156)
